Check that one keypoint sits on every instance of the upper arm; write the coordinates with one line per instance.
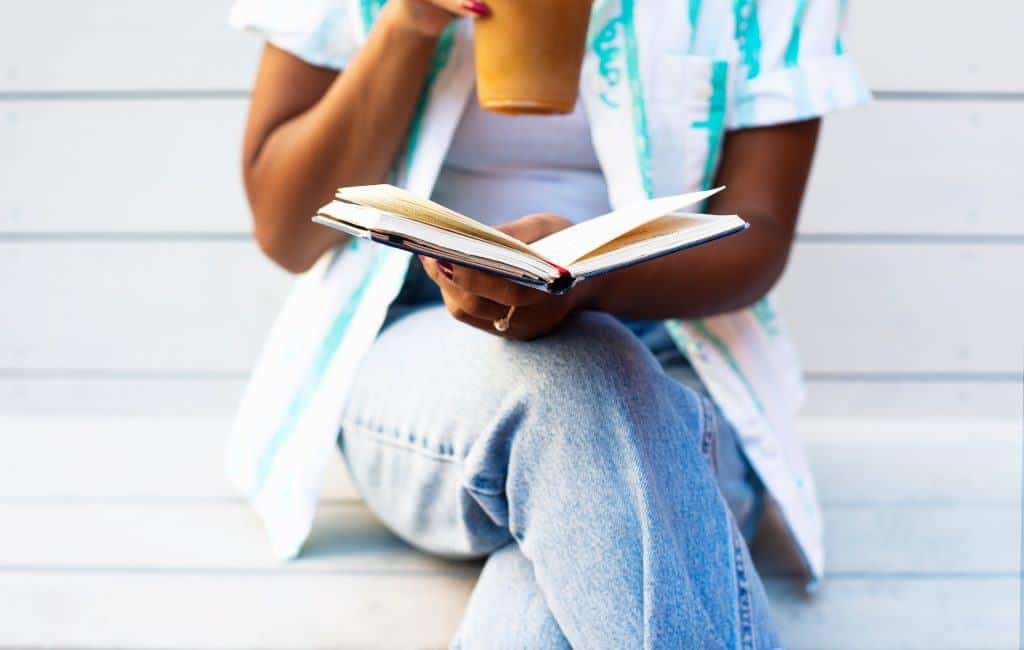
(306, 43)
(766, 170)
(285, 87)
(792, 69)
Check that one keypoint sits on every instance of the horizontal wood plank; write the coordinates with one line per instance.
(938, 45)
(186, 307)
(171, 166)
(146, 459)
(961, 469)
(225, 537)
(117, 45)
(905, 307)
(230, 611)
(147, 45)
(947, 613)
(912, 397)
(925, 168)
(932, 540)
(360, 611)
(97, 393)
(205, 307)
(125, 459)
(126, 166)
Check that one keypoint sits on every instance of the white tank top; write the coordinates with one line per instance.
(502, 167)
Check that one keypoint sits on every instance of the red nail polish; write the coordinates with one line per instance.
(446, 269)
(479, 8)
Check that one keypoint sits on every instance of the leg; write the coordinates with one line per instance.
(579, 448)
(507, 608)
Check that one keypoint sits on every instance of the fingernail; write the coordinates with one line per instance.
(446, 269)
(479, 8)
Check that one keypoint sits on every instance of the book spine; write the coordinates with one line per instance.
(565, 281)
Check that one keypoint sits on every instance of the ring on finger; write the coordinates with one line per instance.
(502, 324)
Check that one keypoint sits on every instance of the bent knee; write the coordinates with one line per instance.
(591, 350)
(592, 364)
(598, 344)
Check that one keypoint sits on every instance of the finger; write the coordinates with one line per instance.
(494, 288)
(519, 329)
(535, 226)
(486, 285)
(468, 8)
(462, 303)
(431, 268)
(467, 305)
(515, 331)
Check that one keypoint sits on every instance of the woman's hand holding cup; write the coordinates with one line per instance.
(431, 17)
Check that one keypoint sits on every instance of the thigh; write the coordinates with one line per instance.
(430, 388)
(419, 399)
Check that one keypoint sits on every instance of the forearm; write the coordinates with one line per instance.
(350, 136)
(765, 170)
(715, 278)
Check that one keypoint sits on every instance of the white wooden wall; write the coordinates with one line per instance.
(129, 284)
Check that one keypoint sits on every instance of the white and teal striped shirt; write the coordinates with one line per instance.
(662, 82)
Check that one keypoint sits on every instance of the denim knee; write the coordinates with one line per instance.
(591, 349)
(590, 387)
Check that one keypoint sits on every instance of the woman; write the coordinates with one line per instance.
(611, 450)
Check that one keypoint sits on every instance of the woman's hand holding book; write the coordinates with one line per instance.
(479, 298)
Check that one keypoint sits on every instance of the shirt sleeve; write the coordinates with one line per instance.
(320, 32)
(792, 62)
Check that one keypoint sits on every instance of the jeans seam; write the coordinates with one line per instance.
(394, 440)
(744, 605)
(709, 433)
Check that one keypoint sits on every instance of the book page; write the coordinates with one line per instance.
(664, 225)
(395, 200)
(567, 246)
(664, 235)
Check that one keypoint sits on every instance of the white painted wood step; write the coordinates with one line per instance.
(181, 458)
(229, 610)
(122, 533)
(867, 539)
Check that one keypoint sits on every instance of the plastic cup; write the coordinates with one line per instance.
(529, 53)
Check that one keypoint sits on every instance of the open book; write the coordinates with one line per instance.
(633, 234)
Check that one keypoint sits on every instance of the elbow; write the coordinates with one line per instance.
(776, 267)
(278, 237)
(281, 248)
(765, 269)
(282, 239)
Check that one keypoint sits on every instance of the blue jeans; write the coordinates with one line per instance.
(607, 496)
